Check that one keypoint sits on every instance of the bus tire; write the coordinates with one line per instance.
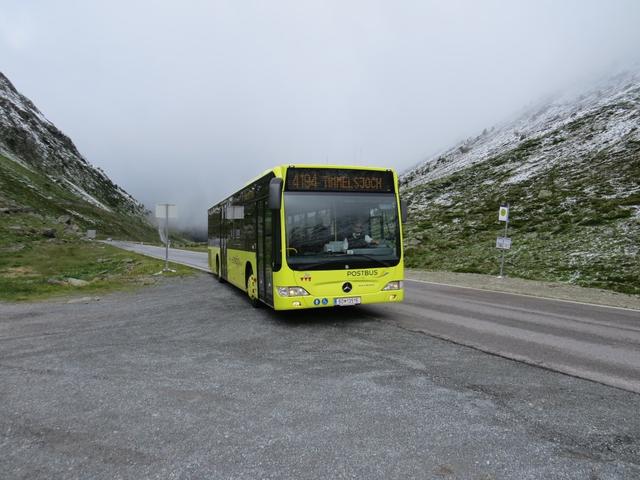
(251, 282)
(217, 273)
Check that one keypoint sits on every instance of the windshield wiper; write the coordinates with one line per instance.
(310, 266)
(335, 257)
(372, 258)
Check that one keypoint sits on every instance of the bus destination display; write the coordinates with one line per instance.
(333, 180)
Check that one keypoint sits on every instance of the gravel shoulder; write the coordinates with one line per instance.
(559, 291)
(185, 380)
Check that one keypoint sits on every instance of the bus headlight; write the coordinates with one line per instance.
(292, 292)
(395, 285)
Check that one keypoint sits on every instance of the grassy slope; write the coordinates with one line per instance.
(40, 269)
(23, 187)
(569, 223)
(33, 266)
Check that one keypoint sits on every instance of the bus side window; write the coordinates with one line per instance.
(249, 228)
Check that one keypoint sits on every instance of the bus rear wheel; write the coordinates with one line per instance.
(217, 273)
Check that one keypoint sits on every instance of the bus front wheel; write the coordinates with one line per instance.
(252, 288)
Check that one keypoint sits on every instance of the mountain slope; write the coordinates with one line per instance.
(570, 171)
(42, 173)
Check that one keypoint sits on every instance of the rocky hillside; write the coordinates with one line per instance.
(43, 174)
(570, 170)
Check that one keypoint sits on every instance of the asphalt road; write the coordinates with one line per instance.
(596, 343)
(185, 380)
(186, 257)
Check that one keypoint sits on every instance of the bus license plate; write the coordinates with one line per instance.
(343, 302)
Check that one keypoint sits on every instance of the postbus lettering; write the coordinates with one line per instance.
(362, 273)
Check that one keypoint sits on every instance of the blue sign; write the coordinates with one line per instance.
(325, 301)
(316, 301)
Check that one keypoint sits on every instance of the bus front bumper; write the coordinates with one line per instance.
(310, 301)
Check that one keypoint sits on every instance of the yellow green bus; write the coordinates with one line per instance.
(311, 236)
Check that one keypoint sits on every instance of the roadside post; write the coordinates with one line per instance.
(503, 243)
(166, 211)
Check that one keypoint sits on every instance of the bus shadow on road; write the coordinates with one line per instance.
(322, 316)
(311, 316)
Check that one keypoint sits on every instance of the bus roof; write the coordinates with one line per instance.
(279, 171)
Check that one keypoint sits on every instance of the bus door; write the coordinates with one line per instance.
(224, 232)
(264, 247)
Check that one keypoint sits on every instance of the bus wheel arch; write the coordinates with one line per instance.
(251, 283)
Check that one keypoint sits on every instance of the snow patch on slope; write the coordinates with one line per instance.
(81, 193)
(612, 109)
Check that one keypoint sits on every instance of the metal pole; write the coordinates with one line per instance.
(506, 226)
(166, 237)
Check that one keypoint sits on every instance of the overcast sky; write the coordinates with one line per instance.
(185, 101)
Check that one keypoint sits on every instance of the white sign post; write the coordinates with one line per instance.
(503, 243)
(166, 211)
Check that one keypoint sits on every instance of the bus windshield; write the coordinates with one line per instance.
(326, 231)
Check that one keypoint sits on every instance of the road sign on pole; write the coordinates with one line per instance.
(166, 211)
(503, 243)
(503, 213)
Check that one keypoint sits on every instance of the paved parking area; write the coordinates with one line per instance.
(186, 380)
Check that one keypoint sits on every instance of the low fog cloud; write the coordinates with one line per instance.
(185, 101)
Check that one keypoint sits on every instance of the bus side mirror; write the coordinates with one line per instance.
(404, 210)
(275, 193)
